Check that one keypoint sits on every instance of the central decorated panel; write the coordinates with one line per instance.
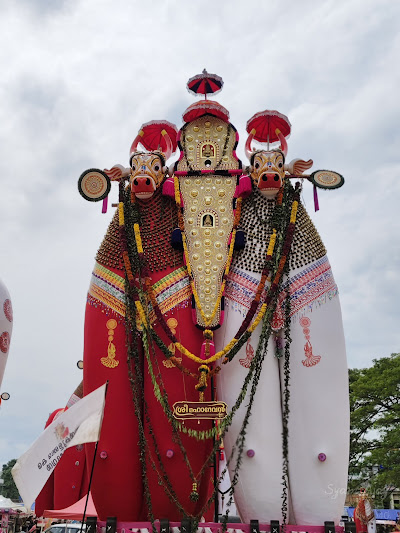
(208, 189)
(208, 219)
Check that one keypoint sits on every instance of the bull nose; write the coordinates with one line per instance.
(135, 181)
(147, 181)
(266, 177)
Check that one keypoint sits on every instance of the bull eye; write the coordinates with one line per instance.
(280, 165)
(133, 168)
(156, 168)
(147, 181)
(257, 165)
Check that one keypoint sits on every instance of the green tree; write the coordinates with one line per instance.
(375, 428)
(9, 488)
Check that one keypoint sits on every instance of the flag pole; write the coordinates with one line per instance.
(92, 469)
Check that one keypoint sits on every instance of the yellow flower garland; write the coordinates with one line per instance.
(138, 238)
(259, 316)
(271, 245)
(232, 343)
(294, 211)
(121, 214)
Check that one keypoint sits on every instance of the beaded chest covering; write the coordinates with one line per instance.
(256, 221)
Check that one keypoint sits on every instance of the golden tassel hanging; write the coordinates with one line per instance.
(202, 383)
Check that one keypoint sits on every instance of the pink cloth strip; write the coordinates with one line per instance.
(316, 204)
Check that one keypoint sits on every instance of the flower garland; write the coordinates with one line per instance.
(278, 249)
(246, 326)
(255, 304)
(243, 334)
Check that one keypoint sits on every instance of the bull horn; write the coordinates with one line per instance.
(135, 143)
(169, 147)
(284, 146)
(247, 147)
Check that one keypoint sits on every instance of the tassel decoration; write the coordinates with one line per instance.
(194, 495)
(169, 187)
(316, 204)
(176, 239)
(240, 239)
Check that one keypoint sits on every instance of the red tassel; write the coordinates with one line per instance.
(244, 187)
(169, 187)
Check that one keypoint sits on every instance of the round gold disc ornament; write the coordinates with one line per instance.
(327, 179)
(94, 185)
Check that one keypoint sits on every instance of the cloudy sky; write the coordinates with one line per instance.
(79, 77)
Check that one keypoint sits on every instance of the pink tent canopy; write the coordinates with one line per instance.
(74, 511)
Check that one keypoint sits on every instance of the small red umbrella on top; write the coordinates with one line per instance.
(266, 126)
(153, 135)
(157, 135)
(205, 83)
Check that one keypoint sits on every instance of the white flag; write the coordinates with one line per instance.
(79, 424)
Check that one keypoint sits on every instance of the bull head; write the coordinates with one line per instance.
(148, 168)
(147, 172)
(267, 167)
(268, 171)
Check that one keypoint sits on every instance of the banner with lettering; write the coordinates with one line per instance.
(79, 424)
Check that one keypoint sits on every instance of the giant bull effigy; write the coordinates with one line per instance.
(214, 315)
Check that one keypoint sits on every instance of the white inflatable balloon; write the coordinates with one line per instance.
(6, 320)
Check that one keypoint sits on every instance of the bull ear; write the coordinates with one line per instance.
(116, 172)
(298, 166)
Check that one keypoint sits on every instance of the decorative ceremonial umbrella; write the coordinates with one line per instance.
(204, 107)
(152, 137)
(263, 126)
(205, 83)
